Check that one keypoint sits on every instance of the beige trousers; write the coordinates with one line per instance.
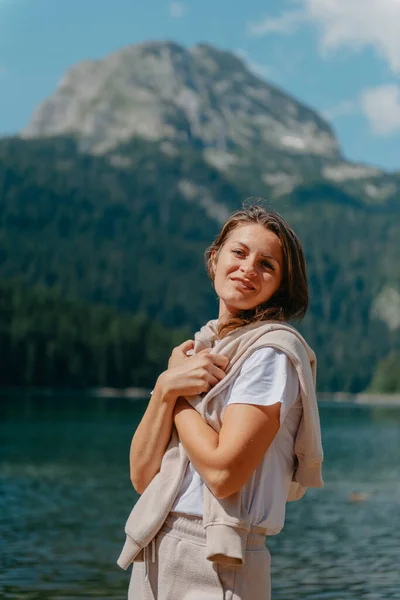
(176, 567)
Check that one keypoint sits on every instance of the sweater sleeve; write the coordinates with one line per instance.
(266, 377)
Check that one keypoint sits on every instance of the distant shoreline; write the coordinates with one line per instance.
(132, 393)
(138, 393)
(364, 399)
(336, 397)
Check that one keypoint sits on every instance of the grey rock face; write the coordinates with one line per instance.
(206, 98)
(162, 91)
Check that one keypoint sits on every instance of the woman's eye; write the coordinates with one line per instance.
(238, 252)
(266, 264)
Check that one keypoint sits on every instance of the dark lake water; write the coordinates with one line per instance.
(65, 495)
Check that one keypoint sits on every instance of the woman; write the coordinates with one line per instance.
(241, 400)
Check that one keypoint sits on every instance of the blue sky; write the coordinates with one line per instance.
(341, 57)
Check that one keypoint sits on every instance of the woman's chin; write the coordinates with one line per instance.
(233, 307)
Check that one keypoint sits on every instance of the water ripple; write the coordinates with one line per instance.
(65, 494)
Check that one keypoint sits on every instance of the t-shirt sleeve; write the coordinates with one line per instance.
(267, 376)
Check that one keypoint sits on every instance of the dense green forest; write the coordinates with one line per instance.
(113, 240)
(387, 376)
(47, 340)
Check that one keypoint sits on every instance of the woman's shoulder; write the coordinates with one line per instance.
(266, 376)
(266, 358)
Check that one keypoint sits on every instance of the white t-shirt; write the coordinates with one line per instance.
(266, 377)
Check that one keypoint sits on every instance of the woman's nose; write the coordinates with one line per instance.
(248, 267)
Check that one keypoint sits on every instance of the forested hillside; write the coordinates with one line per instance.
(48, 340)
(131, 239)
(124, 176)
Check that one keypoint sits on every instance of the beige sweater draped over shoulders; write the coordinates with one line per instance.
(226, 521)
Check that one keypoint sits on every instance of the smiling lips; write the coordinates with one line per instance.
(244, 284)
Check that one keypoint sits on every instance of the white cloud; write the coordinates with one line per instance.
(352, 24)
(258, 68)
(177, 9)
(381, 106)
(344, 108)
(288, 22)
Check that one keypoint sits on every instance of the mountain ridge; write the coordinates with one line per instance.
(206, 98)
(134, 239)
(187, 79)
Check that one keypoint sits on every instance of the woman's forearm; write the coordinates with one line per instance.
(185, 376)
(226, 460)
(199, 440)
(151, 437)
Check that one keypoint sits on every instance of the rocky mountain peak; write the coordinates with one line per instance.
(163, 91)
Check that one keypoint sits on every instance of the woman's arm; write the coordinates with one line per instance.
(151, 437)
(266, 382)
(185, 376)
(226, 461)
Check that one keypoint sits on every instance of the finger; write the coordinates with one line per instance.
(212, 380)
(201, 385)
(204, 351)
(218, 373)
(187, 345)
(220, 360)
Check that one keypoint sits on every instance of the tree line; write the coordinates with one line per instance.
(132, 238)
(48, 340)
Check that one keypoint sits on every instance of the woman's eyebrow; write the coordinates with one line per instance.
(262, 253)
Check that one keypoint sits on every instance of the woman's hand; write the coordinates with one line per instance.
(193, 375)
(179, 354)
(182, 352)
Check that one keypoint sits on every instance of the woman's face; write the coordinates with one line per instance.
(248, 269)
